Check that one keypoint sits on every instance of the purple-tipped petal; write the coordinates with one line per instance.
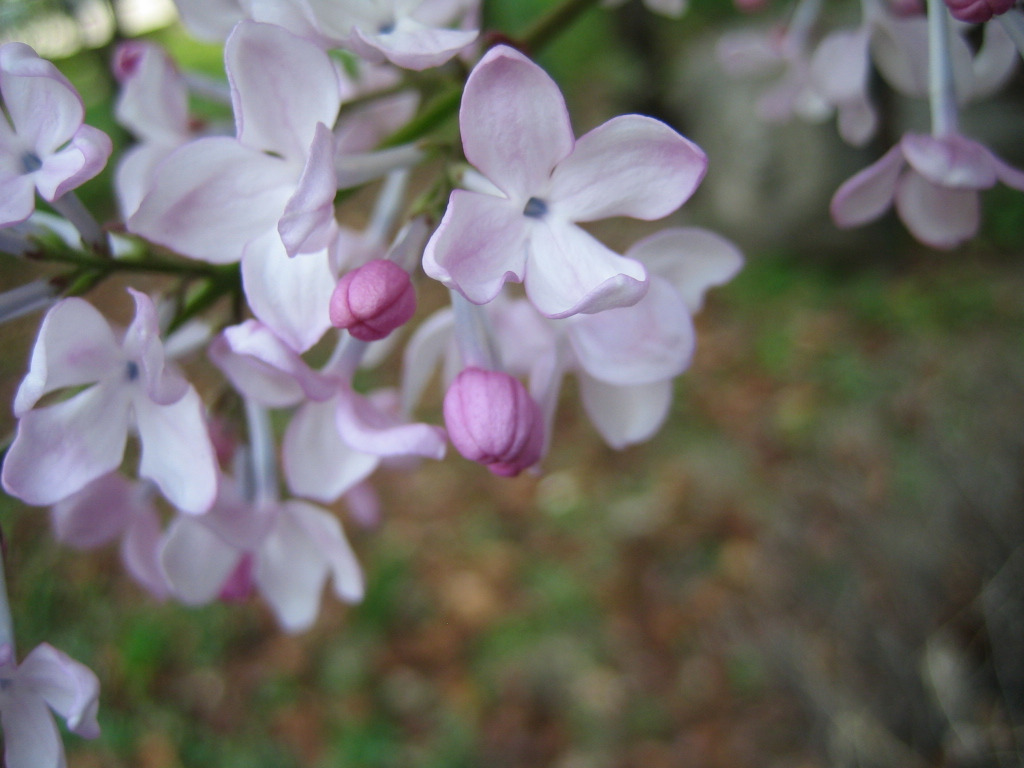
(629, 166)
(74, 165)
(570, 272)
(937, 216)
(868, 194)
(515, 126)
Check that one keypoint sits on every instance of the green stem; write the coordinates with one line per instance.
(559, 19)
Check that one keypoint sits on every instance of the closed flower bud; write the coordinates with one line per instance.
(978, 11)
(492, 419)
(373, 300)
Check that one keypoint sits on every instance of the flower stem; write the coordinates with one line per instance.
(558, 19)
(940, 71)
(6, 625)
(70, 207)
(473, 335)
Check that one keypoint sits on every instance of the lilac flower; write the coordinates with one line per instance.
(287, 550)
(45, 679)
(113, 507)
(43, 143)
(934, 182)
(373, 300)
(61, 448)
(516, 132)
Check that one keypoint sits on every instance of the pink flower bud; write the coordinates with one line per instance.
(978, 11)
(373, 300)
(127, 58)
(492, 419)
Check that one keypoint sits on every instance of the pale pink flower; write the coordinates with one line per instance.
(61, 448)
(934, 182)
(46, 679)
(44, 145)
(516, 132)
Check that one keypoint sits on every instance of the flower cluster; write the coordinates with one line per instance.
(216, 499)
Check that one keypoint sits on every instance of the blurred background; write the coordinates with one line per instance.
(817, 562)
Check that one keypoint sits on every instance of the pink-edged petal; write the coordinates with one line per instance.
(196, 561)
(937, 216)
(67, 686)
(308, 221)
(412, 45)
(325, 531)
(569, 272)
(75, 346)
(630, 166)
(60, 449)
(177, 453)
(949, 161)
(868, 194)
(479, 245)
(290, 572)
(1010, 176)
(290, 296)
(211, 197)
(210, 20)
(317, 462)
(74, 165)
(17, 199)
(263, 367)
(31, 738)
(515, 126)
(44, 108)
(140, 552)
(626, 415)
(282, 86)
(650, 341)
(367, 428)
(142, 344)
(691, 259)
(422, 357)
(97, 514)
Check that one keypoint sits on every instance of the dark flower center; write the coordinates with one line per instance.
(535, 208)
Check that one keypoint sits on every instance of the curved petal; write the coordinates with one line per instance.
(691, 259)
(868, 194)
(515, 126)
(196, 561)
(290, 572)
(60, 449)
(44, 108)
(937, 216)
(95, 515)
(412, 45)
(569, 272)
(899, 48)
(290, 296)
(995, 62)
(317, 462)
(211, 197)
(136, 171)
(17, 199)
(282, 86)
(142, 344)
(326, 533)
(626, 415)
(177, 453)
(1010, 176)
(75, 346)
(69, 687)
(308, 220)
(153, 103)
(74, 165)
(650, 341)
(263, 367)
(630, 166)
(479, 245)
(368, 429)
(210, 20)
(951, 161)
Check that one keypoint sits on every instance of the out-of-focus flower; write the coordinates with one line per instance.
(46, 679)
(978, 11)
